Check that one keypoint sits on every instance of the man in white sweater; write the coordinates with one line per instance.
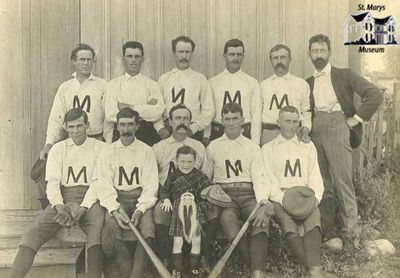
(186, 86)
(291, 166)
(234, 85)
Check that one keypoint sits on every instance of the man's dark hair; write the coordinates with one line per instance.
(290, 109)
(74, 114)
(79, 47)
(128, 113)
(132, 44)
(233, 43)
(186, 150)
(179, 106)
(279, 47)
(182, 39)
(319, 38)
(232, 107)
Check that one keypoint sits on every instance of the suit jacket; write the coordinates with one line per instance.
(345, 82)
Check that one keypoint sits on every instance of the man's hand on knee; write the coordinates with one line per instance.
(136, 216)
(79, 213)
(263, 214)
(63, 217)
(121, 217)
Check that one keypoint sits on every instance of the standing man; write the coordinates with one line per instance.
(283, 89)
(84, 91)
(292, 166)
(233, 85)
(337, 127)
(72, 195)
(179, 119)
(128, 184)
(186, 86)
(137, 92)
(235, 163)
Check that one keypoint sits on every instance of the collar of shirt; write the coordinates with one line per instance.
(69, 142)
(172, 140)
(118, 144)
(325, 71)
(187, 71)
(127, 76)
(240, 139)
(91, 76)
(287, 76)
(239, 72)
(280, 139)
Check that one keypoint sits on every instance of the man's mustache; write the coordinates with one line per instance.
(319, 61)
(127, 134)
(280, 65)
(184, 60)
(182, 126)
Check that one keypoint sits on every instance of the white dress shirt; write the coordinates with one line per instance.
(291, 163)
(276, 90)
(71, 94)
(166, 154)
(249, 98)
(237, 160)
(71, 165)
(137, 91)
(126, 168)
(324, 94)
(192, 89)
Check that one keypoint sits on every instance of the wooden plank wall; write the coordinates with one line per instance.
(38, 35)
(210, 23)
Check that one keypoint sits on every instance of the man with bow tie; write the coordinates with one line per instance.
(337, 128)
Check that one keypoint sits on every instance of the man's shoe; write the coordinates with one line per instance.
(195, 273)
(204, 265)
(176, 273)
(348, 247)
(258, 274)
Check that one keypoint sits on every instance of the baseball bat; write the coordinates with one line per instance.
(221, 263)
(162, 270)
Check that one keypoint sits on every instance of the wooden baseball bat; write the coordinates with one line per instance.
(162, 270)
(221, 263)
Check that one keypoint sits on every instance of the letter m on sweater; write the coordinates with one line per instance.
(129, 181)
(293, 171)
(86, 101)
(180, 95)
(76, 178)
(237, 98)
(284, 100)
(235, 169)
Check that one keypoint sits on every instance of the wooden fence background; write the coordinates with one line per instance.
(382, 133)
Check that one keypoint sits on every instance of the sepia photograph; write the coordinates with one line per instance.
(199, 138)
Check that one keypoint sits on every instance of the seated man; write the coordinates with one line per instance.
(291, 168)
(234, 162)
(179, 119)
(71, 194)
(127, 188)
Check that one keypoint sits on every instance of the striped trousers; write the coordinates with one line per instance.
(331, 136)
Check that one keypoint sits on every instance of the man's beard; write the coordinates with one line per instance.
(320, 63)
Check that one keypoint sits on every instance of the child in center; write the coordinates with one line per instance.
(181, 194)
